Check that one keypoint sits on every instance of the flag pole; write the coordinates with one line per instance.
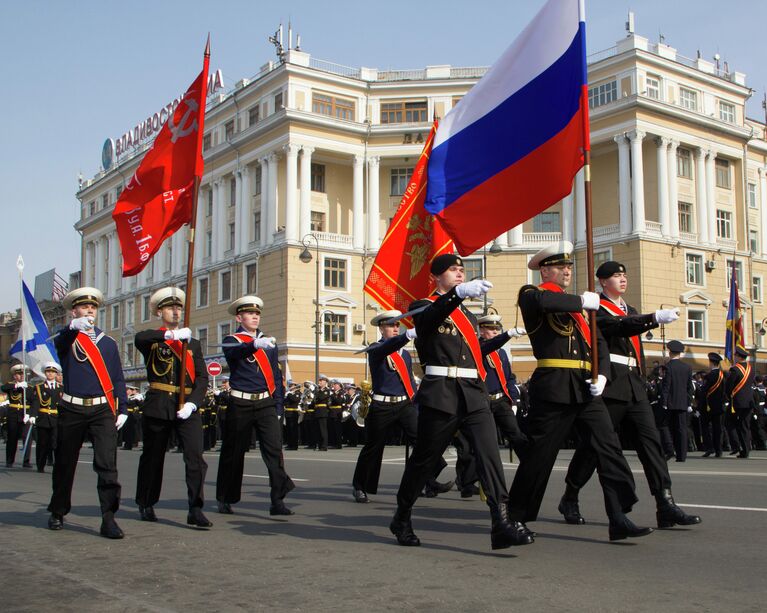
(192, 228)
(20, 267)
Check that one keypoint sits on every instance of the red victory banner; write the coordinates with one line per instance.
(400, 272)
(158, 199)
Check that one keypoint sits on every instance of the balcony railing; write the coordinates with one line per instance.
(540, 238)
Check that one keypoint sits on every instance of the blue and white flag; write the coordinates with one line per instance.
(34, 333)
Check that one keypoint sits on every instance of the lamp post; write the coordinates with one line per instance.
(495, 249)
(306, 257)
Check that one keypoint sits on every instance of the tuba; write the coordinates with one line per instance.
(361, 406)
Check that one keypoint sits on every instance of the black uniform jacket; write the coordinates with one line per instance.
(677, 391)
(744, 399)
(321, 402)
(246, 373)
(553, 335)
(492, 382)
(162, 366)
(386, 381)
(714, 400)
(439, 343)
(626, 382)
(45, 398)
(16, 398)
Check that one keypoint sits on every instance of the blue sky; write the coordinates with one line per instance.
(77, 72)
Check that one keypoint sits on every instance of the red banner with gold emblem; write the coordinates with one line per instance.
(400, 272)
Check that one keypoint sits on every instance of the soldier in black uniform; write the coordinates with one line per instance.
(129, 431)
(221, 402)
(759, 424)
(92, 404)
(351, 430)
(335, 410)
(18, 413)
(292, 412)
(45, 414)
(562, 394)
(677, 394)
(712, 414)
(453, 396)
(739, 390)
(320, 413)
(162, 351)
(255, 401)
(626, 399)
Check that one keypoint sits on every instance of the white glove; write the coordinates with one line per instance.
(180, 334)
(597, 388)
(666, 316)
(82, 324)
(138, 397)
(590, 302)
(5, 403)
(26, 418)
(21, 385)
(186, 410)
(121, 419)
(411, 334)
(265, 342)
(516, 332)
(473, 289)
(32, 420)
(216, 392)
(689, 409)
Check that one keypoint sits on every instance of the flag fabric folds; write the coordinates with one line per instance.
(157, 200)
(33, 335)
(734, 324)
(511, 147)
(400, 272)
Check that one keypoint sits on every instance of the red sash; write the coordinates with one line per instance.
(175, 347)
(401, 368)
(459, 319)
(97, 362)
(578, 318)
(263, 362)
(611, 307)
(495, 358)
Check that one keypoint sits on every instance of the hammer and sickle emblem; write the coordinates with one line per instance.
(178, 130)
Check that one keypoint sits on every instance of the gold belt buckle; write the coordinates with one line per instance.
(87, 402)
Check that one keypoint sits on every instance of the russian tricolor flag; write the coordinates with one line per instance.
(513, 144)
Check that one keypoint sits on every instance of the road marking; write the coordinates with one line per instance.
(723, 508)
(267, 476)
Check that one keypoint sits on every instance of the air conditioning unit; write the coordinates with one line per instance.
(710, 265)
(359, 327)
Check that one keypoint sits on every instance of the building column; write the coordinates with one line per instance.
(637, 181)
(272, 198)
(115, 275)
(87, 264)
(502, 240)
(663, 205)
(516, 236)
(237, 211)
(763, 209)
(305, 212)
(100, 261)
(374, 213)
(244, 200)
(264, 162)
(216, 220)
(673, 190)
(624, 184)
(711, 195)
(358, 216)
(291, 177)
(568, 233)
(179, 249)
(580, 208)
(701, 201)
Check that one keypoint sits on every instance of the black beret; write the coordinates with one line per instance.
(714, 357)
(675, 347)
(608, 269)
(442, 262)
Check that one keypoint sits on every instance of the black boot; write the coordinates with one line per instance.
(109, 527)
(505, 533)
(622, 527)
(55, 521)
(568, 506)
(401, 527)
(195, 517)
(669, 514)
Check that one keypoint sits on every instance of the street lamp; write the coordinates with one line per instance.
(306, 257)
(495, 249)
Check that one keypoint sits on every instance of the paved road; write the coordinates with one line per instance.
(338, 555)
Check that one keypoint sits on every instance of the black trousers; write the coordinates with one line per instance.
(677, 421)
(17, 431)
(648, 447)
(435, 431)
(548, 426)
(152, 460)
(506, 421)
(466, 472)
(321, 430)
(129, 431)
(242, 416)
(291, 428)
(75, 423)
(334, 428)
(46, 442)
(743, 428)
(380, 418)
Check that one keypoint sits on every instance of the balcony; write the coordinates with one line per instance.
(540, 239)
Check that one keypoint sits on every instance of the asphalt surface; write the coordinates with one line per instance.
(334, 554)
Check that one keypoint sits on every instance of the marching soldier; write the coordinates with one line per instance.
(739, 389)
(256, 400)
(18, 412)
(221, 403)
(45, 413)
(626, 399)
(335, 410)
(130, 429)
(562, 394)
(162, 351)
(320, 415)
(351, 431)
(453, 396)
(677, 393)
(714, 401)
(292, 412)
(92, 404)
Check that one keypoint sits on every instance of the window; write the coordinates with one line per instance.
(603, 94)
(685, 217)
(202, 336)
(404, 112)
(251, 278)
(751, 189)
(202, 292)
(168, 256)
(257, 226)
(696, 323)
(684, 163)
(318, 178)
(225, 286)
(129, 308)
(209, 204)
(92, 207)
(723, 224)
(688, 99)
(753, 241)
(722, 173)
(278, 102)
(472, 268)
(600, 257)
(317, 221)
(104, 201)
(115, 316)
(145, 314)
(333, 107)
(652, 87)
(230, 245)
(206, 142)
(118, 191)
(334, 328)
(727, 112)
(229, 129)
(232, 191)
(334, 273)
(128, 355)
(224, 330)
(399, 180)
(150, 269)
(546, 222)
(102, 315)
(694, 263)
(738, 274)
(257, 181)
(208, 243)
(253, 115)
(756, 289)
